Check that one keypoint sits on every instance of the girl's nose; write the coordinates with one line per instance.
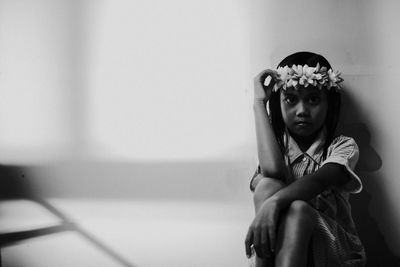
(302, 109)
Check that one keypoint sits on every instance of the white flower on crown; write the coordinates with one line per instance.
(334, 78)
(304, 76)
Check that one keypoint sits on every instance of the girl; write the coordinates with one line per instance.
(305, 173)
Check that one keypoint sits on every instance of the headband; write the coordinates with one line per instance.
(296, 76)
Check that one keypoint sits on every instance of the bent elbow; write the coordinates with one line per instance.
(273, 171)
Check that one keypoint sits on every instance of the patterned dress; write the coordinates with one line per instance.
(335, 242)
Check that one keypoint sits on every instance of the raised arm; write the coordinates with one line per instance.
(269, 154)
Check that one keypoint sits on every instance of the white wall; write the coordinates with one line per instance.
(167, 80)
(124, 80)
(37, 80)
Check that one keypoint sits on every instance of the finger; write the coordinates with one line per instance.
(269, 72)
(257, 243)
(267, 80)
(272, 236)
(265, 244)
(263, 74)
(248, 242)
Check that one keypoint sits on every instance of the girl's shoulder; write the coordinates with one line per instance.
(340, 140)
(344, 145)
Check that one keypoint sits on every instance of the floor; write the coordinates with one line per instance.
(131, 233)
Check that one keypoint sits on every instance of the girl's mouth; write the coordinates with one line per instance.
(302, 123)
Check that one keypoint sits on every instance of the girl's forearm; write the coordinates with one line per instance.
(269, 154)
(309, 186)
(302, 189)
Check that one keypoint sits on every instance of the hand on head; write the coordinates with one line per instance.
(263, 84)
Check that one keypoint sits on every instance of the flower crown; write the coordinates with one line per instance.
(296, 76)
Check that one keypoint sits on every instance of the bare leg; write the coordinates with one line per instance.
(294, 234)
(265, 188)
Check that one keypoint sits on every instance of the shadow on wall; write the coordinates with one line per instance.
(378, 252)
(14, 183)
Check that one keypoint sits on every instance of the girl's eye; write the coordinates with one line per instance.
(314, 100)
(290, 100)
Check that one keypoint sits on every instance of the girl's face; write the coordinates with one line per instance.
(304, 110)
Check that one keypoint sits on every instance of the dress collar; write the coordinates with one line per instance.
(293, 151)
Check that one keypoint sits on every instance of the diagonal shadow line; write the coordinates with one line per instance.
(15, 237)
(7, 239)
(91, 238)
